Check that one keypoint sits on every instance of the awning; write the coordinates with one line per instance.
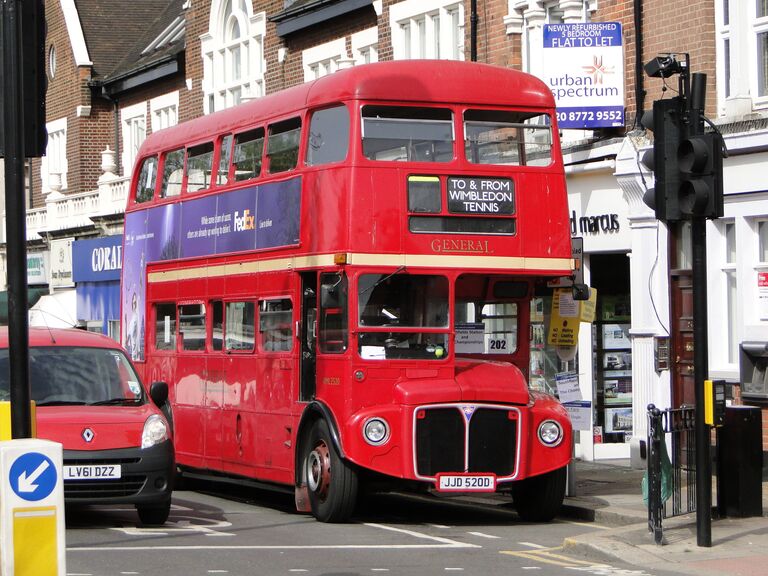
(55, 310)
(33, 295)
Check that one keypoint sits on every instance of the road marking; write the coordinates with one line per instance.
(298, 570)
(532, 545)
(438, 525)
(483, 535)
(454, 569)
(548, 556)
(435, 542)
(379, 569)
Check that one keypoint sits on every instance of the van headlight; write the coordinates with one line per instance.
(376, 431)
(550, 433)
(155, 431)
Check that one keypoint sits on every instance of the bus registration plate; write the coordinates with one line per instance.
(92, 472)
(466, 483)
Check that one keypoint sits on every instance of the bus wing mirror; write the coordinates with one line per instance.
(158, 391)
(580, 292)
(329, 296)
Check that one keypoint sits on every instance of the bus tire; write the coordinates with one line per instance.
(538, 499)
(154, 514)
(331, 482)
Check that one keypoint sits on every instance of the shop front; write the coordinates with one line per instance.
(96, 271)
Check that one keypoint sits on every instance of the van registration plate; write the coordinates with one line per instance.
(92, 472)
(466, 483)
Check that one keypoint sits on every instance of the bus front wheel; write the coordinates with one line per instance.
(539, 498)
(332, 484)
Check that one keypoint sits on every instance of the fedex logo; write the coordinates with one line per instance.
(245, 222)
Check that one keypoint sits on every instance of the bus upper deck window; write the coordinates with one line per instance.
(224, 157)
(199, 167)
(506, 137)
(283, 145)
(328, 136)
(145, 187)
(247, 154)
(408, 134)
(173, 170)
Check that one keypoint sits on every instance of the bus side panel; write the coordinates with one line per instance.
(379, 205)
(325, 200)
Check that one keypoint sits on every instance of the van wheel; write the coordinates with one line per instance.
(332, 484)
(538, 499)
(154, 515)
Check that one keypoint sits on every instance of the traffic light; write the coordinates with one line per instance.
(700, 161)
(666, 122)
(35, 79)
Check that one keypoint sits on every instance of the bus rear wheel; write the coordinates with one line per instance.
(538, 499)
(332, 484)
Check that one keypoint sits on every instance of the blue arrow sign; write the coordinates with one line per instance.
(33, 476)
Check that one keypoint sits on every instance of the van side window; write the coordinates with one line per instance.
(192, 326)
(275, 321)
(145, 187)
(165, 326)
(239, 326)
(173, 170)
(247, 155)
(199, 167)
(328, 136)
(283, 145)
(224, 157)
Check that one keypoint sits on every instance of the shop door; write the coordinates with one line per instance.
(681, 314)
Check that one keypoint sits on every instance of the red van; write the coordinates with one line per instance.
(117, 445)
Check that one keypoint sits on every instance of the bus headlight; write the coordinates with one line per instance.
(376, 431)
(155, 431)
(550, 433)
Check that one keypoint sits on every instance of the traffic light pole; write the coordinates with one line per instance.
(701, 369)
(15, 221)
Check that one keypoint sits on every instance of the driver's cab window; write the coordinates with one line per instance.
(488, 314)
(333, 313)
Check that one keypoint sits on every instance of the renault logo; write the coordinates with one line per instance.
(88, 434)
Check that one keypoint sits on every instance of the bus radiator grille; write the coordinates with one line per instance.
(442, 441)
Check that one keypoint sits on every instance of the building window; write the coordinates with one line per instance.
(731, 296)
(165, 111)
(324, 59)
(54, 165)
(233, 55)
(365, 46)
(427, 29)
(52, 61)
(134, 121)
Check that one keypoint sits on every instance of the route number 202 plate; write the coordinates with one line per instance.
(466, 483)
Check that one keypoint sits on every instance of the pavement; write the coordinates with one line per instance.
(609, 494)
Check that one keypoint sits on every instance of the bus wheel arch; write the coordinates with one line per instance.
(328, 485)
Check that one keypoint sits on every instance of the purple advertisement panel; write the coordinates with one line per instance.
(265, 216)
(277, 214)
(133, 288)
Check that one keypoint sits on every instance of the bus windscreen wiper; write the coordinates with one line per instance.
(384, 278)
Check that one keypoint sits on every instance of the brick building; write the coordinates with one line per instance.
(173, 61)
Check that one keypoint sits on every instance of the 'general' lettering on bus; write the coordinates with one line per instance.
(481, 195)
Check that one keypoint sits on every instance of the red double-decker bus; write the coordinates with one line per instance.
(335, 282)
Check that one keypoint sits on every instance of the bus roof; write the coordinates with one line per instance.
(435, 81)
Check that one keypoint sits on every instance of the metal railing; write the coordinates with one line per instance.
(671, 465)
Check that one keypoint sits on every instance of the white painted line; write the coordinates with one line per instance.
(79, 574)
(298, 570)
(435, 542)
(454, 569)
(531, 567)
(531, 545)
(379, 569)
(438, 526)
(218, 571)
(483, 535)
(128, 573)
